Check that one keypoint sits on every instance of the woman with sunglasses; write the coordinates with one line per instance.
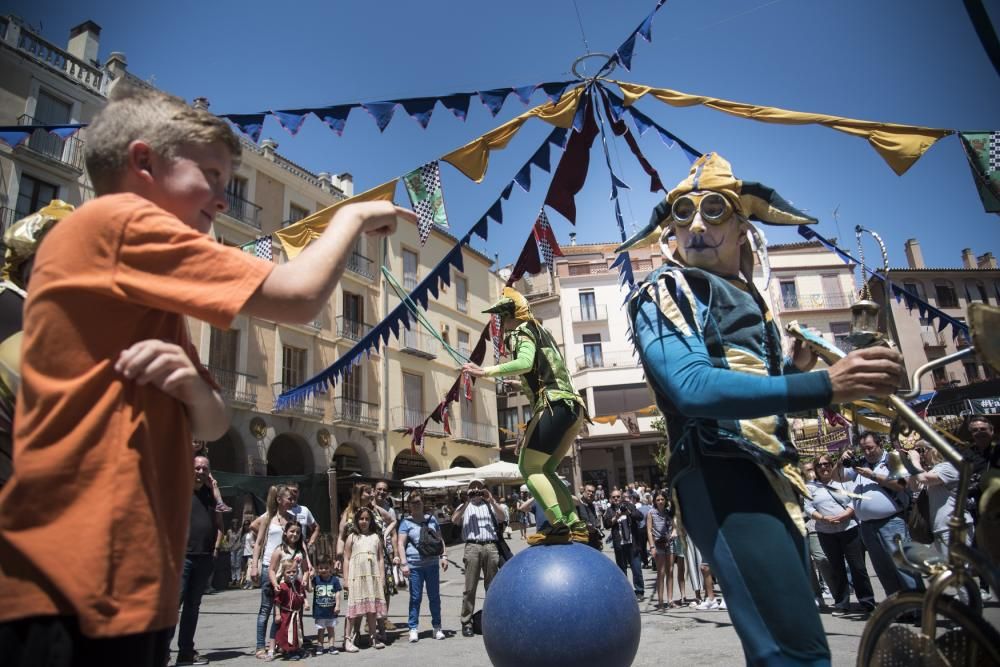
(713, 356)
(839, 537)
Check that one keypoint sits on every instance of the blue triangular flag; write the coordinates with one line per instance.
(14, 138)
(541, 157)
(524, 93)
(290, 121)
(523, 177)
(494, 99)
(625, 52)
(496, 212)
(457, 105)
(555, 91)
(420, 109)
(482, 229)
(646, 29)
(559, 137)
(335, 117)
(505, 193)
(381, 112)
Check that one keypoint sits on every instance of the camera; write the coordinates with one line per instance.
(475, 493)
(856, 461)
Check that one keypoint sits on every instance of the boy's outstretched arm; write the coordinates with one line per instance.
(297, 290)
(167, 367)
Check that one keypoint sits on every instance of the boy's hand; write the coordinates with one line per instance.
(164, 365)
(379, 218)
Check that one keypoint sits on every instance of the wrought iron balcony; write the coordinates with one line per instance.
(236, 387)
(67, 152)
(243, 210)
(361, 265)
(815, 301)
(45, 52)
(933, 339)
(309, 407)
(403, 418)
(355, 413)
(418, 344)
(474, 432)
(592, 313)
(352, 329)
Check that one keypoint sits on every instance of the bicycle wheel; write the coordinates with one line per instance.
(893, 636)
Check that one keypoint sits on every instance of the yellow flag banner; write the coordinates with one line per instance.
(473, 158)
(295, 237)
(899, 145)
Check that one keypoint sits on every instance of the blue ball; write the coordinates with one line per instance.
(561, 605)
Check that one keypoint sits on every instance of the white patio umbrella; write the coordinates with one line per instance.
(439, 476)
(500, 472)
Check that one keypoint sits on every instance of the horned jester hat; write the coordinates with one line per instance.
(749, 201)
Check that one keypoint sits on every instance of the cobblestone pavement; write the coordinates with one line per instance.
(226, 631)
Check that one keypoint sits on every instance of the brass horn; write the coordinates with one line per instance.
(897, 468)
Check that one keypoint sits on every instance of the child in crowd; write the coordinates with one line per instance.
(290, 552)
(326, 603)
(289, 599)
(110, 375)
(363, 570)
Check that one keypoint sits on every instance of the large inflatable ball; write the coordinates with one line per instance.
(560, 605)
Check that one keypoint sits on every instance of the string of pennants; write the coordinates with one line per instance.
(958, 328)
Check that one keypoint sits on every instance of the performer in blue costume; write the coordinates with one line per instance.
(713, 357)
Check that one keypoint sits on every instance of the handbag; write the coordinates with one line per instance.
(919, 520)
(503, 550)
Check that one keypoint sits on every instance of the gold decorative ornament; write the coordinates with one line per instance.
(323, 438)
(258, 428)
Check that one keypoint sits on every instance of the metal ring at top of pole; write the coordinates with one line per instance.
(607, 68)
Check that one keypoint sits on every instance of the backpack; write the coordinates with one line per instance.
(430, 543)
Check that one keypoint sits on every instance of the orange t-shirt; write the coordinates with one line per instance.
(93, 523)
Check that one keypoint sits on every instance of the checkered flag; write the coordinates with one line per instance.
(259, 247)
(424, 187)
(547, 243)
(497, 335)
(994, 152)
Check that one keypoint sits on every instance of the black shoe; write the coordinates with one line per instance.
(639, 597)
(191, 659)
(467, 631)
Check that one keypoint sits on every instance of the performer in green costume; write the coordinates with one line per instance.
(558, 413)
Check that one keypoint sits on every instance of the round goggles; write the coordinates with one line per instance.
(714, 208)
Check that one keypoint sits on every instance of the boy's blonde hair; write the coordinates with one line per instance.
(163, 121)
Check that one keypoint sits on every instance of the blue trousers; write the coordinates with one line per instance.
(419, 576)
(760, 558)
(266, 612)
(194, 580)
(879, 538)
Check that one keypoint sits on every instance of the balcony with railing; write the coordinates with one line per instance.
(310, 407)
(352, 329)
(418, 344)
(52, 56)
(243, 210)
(933, 339)
(353, 412)
(66, 153)
(237, 388)
(588, 269)
(606, 359)
(474, 433)
(591, 313)
(403, 418)
(361, 265)
(789, 302)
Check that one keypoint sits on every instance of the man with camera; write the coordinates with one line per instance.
(587, 511)
(622, 518)
(880, 508)
(478, 517)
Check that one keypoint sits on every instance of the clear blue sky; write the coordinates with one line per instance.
(916, 62)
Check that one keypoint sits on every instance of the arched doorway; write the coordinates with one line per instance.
(408, 464)
(226, 453)
(287, 455)
(462, 462)
(347, 459)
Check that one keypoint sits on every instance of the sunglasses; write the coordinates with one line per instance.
(714, 208)
(824, 465)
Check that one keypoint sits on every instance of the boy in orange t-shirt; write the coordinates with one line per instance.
(93, 524)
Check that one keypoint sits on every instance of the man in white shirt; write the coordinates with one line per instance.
(880, 509)
(305, 518)
(478, 517)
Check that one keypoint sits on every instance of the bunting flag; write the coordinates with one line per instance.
(416, 434)
(911, 300)
(982, 149)
(631, 423)
(547, 243)
(571, 172)
(424, 187)
(15, 135)
(445, 417)
(260, 247)
(899, 145)
(497, 335)
(644, 123)
(467, 385)
(623, 54)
